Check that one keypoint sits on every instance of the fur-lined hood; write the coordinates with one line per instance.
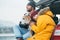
(46, 11)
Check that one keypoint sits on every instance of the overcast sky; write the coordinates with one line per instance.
(12, 10)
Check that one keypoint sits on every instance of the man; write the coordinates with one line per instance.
(22, 33)
(31, 9)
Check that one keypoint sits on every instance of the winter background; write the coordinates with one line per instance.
(11, 12)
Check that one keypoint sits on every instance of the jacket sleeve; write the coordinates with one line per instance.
(41, 24)
(42, 32)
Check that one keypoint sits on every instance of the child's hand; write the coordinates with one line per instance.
(32, 23)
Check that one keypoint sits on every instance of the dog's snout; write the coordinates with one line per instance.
(20, 22)
(23, 18)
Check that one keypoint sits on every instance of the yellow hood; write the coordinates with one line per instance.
(49, 13)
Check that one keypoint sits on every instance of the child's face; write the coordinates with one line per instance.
(35, 17)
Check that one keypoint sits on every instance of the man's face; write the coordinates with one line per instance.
(29, 8)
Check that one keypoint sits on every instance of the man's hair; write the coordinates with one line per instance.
(32, 3)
